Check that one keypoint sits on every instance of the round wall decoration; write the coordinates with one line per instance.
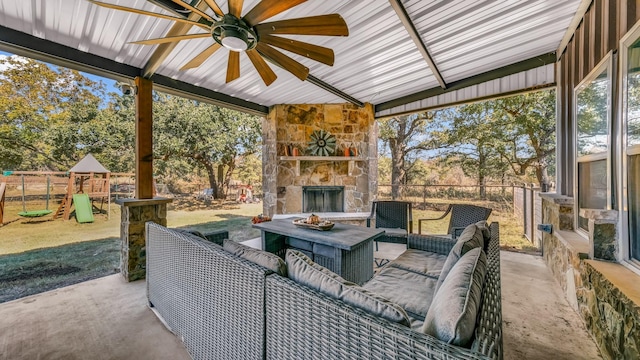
(322, 143)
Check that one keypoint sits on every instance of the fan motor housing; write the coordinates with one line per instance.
(232, 27)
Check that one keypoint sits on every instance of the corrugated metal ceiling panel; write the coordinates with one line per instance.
(534, 78)
(467, 38)
(376, 63)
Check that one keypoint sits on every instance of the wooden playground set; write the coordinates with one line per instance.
(87, 184)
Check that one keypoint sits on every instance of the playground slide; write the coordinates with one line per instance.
(84, 210)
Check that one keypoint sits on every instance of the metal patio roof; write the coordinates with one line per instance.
(379, 62)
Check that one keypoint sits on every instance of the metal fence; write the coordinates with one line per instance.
(431, 195)
(527, 207)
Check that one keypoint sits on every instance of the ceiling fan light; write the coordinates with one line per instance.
(234, 40)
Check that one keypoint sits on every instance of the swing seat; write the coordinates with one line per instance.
(35, 213)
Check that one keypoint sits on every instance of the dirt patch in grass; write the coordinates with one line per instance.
(189, 202)
(39, 270)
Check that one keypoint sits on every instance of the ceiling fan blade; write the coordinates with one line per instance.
(329, 25)
(287, 63)
(216, 9)
(315, 52)
(233, 68)
(170, 39)
(194, 9)
(268, 8)
(142, 12)
(235, 7)
(200, 58)
(267, 75)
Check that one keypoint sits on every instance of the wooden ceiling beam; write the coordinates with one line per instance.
(163, 50)
(415, 36)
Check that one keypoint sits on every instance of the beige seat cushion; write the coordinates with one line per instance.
(453, 311)
(470, 238)
(408, 289)
(260, 257)
(421, 262)
(306, 272)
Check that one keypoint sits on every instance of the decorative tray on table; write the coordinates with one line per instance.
(323, 225)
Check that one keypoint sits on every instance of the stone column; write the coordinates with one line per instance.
(372, 161)
(557, 210)
(603, 239)
(135, 213)
(269, 163)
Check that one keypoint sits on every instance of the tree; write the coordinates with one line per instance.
(249, 169)
(528, 132)
(110, 137)
(469, 135)
(406, 138)
(204, 135)
(42, 108)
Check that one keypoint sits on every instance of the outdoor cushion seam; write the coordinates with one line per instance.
(366, 294)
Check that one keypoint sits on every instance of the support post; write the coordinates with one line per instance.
(133, 250)
(144, 139)
(136, 212)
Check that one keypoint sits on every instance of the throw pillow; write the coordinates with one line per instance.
(306, 272)
(453, 311)
(271, 261)
(486, 233)
(470, 238)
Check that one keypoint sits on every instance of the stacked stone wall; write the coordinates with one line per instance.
(612, 318)
(291, 126)
(134, 214)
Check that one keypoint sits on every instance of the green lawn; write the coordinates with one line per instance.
(41, 254)
(28, 234)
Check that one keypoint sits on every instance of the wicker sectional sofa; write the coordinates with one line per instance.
(224, 306)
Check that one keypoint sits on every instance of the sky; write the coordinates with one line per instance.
(109, 83)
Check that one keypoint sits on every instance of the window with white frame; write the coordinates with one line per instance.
(592, 139)
(630, 75)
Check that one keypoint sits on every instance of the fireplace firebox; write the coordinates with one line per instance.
(322, 199)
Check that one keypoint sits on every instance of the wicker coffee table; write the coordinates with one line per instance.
(346, 249)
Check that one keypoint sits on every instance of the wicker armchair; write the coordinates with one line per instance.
(394, 217)
(462, 215)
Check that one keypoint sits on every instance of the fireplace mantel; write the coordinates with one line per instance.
(297, 159)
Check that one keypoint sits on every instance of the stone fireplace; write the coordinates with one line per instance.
(294, 178)
(316, 199)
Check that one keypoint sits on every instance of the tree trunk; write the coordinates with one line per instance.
(541, 172)
(481, 178)
(212, 178)
(227, 177)
(220, 183)
(397, 169)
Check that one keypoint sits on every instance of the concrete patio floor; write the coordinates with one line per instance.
(108, 318)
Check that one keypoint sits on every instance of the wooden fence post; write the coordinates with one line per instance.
(3, 186)
(533, 216)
